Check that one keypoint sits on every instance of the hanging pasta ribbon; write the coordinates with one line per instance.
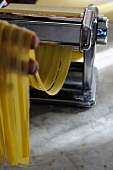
(14, 93)
(54, 61)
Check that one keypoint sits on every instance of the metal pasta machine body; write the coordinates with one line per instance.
(84, 33)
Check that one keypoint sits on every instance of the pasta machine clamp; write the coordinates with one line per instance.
(83, 33)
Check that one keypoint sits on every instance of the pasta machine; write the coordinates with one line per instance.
(83, 33)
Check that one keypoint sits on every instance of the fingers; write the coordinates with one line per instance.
(34, 42)
(33, 66)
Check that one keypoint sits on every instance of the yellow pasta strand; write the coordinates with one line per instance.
(1, 136)
(76, 55)
(52, 83)
(14, 93)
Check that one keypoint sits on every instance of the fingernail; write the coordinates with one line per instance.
(34, 42)
(33, 66)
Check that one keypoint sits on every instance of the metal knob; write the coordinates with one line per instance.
(102, 30)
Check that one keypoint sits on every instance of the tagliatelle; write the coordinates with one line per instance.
(14, 93)
(54, 61)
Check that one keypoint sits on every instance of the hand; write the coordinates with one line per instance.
(33, 65)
